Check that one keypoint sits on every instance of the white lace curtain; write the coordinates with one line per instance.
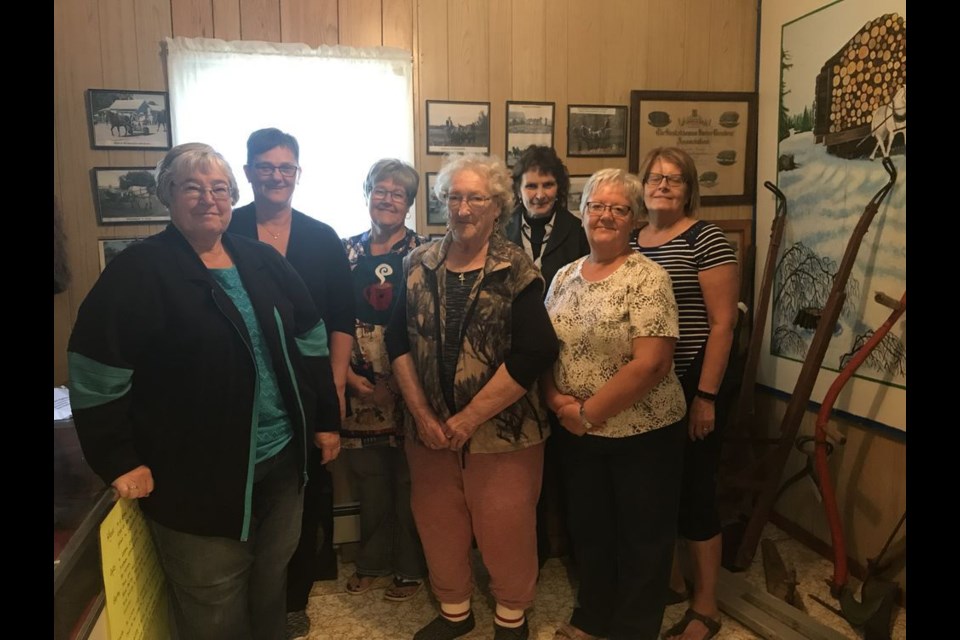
(346, 106)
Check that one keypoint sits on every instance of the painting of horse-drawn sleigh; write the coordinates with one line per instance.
(128, 119)
(127, 195)
(598, 131)
(842, 116)
(458, 127)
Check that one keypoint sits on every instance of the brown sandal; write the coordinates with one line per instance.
(402, 590)
(358, 584)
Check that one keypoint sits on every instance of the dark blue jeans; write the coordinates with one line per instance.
(389, 543)
(225, 589)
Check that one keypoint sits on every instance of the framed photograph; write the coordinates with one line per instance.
(576, 192)
(436, 212)
(740, 235)
(127, 195)
(111, 247)
(458, 127)
(717, 129)
(596, 131)
(528, 123)
(128, 119)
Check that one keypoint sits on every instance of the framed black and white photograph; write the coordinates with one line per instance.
(528, 123)
(110, 248)
(436, 211)
(128, 119)
(598, 131)
(127, 195)
(577, 183)
(458, 127)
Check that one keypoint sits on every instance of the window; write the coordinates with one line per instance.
(347, 107)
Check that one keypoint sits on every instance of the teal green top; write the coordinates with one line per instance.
(274, 429)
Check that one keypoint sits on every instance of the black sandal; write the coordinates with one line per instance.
(713, 626)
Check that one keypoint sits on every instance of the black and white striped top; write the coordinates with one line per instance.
(701, 247)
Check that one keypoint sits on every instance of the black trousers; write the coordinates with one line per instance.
(623, 497)
(314, 558)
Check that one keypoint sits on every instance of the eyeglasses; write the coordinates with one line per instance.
(474, 201)
(618, 210)
(674, 180)
(265, 169)
(383, 194)
(196, 192)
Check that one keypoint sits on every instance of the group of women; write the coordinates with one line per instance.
(208, 372)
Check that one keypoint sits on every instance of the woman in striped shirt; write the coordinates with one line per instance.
(703, 269)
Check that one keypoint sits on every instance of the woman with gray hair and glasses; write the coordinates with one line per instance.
(372, 434)
(200, 379)
(467, 343)
(621, 407)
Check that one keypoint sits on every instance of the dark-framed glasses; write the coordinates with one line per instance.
(474, 201)
(674, 179)
(618, 210)
(194, 191)
(383, 194)
(265, 169)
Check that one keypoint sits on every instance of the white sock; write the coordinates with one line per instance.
(509, 618)
(455, 612)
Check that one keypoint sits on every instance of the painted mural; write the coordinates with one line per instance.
(842, 110)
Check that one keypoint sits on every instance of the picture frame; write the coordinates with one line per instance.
(436, 212)
(718, 129)
(596, 131)
(458, 127)
(127, 195)
(128, 119)
(109, 248)
(740, 235)
(577, 183)
(528, 123)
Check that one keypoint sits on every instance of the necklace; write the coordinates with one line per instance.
(460, 277)
(275, 236)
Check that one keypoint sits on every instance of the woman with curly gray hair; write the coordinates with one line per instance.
(467, 344)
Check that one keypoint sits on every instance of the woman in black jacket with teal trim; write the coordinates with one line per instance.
(200, 375)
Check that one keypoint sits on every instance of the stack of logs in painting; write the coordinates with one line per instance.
(863, 76)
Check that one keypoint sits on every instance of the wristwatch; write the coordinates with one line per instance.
(583, 420)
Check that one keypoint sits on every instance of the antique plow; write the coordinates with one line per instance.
(770, 468)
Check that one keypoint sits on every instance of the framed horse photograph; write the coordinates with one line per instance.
(128, 119)
(127, 195)
(458, 127)
(528, 123)
(598, 131)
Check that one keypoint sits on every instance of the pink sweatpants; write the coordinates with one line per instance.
(493, 498)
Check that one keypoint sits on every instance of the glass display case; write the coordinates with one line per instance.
(80, 502)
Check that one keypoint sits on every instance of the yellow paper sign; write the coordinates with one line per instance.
(133, 581)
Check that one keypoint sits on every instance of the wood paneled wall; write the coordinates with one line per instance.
(562, 51)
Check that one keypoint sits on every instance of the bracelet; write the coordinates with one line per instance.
(706, 395)
(587, 425)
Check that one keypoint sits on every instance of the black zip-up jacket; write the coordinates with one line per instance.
(162, 373)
